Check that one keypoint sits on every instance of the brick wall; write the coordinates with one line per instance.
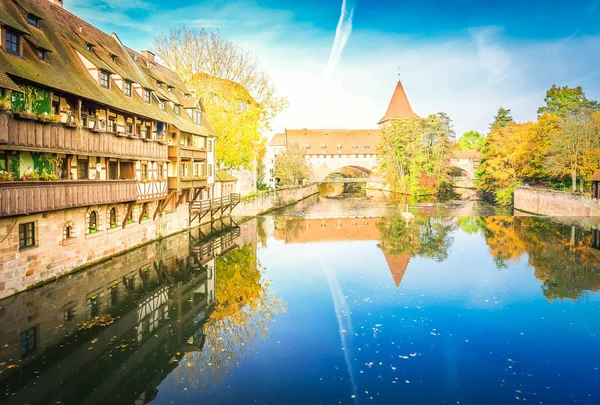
(555, 203)
(53, 255)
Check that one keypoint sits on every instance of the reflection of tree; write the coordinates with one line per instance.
(289, 226)
(470, 225)
(245, 308)
(425, 236)
(561, 255)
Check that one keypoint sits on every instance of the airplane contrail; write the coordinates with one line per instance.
(342, 33)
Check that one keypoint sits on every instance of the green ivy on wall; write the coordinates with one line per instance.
(33, 99)
(15, 165)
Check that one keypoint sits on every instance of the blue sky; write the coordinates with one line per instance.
(463, 57)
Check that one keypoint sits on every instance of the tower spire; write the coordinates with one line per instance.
(399, 106)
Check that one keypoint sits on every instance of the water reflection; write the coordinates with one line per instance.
(112, 333)
(362, 306)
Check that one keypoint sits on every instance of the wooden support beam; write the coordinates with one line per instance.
(144, 208)
(162, 204)
(129, 209)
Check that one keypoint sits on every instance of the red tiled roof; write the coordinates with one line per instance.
(330, 141)
(397, 266)
(465, 154)
(399, 106)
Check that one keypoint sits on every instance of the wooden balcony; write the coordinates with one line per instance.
(186, 153)
(152, 190)
(31, 135)
(28, 197)
(187, 182)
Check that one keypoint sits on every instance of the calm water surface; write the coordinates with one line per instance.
(330, 301)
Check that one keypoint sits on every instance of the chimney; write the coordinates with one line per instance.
(58, 3)
(148, 55)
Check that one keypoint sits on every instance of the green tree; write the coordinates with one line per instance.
(471, 140)
(291, 166)
(502, 119)
(414, 153)
(565, 100)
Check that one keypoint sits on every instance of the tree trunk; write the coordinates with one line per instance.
(574, 180)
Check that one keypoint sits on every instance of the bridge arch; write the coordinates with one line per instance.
(324, 166)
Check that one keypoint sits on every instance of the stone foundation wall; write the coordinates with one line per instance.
(54, 255)
(273, 199)
(555, 203)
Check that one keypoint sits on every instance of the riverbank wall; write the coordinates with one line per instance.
(555, 203)
(263, 202)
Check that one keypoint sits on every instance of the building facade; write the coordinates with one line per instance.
(101, 147)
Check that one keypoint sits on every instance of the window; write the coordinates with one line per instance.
(147, 96)
(69, 313)
(170, 89)
(127, 88)
(177, 109)
(210, 145)
(104, 79)
(128, 128)
(94, 306)
(144, 171)
(41, 54)
(12, 42)
(138, 130)
(28, 341)
(114, 294)
(26, 235)
(159, 171)
(161, 105)
(197, 116)
(33, 20)
(112, 217)
(112, 125)
(210, 170)
(113, 57)
(93, 222)
(82, 169)
(89, 47)
(69, 232)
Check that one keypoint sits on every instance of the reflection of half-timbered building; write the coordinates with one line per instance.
(130, 319)
(101, 147)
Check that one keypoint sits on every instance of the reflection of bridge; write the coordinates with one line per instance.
(319, 230)
(352, 180)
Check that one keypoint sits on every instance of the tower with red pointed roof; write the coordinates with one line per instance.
(399, 106)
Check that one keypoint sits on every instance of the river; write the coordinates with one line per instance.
(329, 301)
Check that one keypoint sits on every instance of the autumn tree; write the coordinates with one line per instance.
(414, 153)
(502, 118)
(575, 150)
(291, 166)
(563, 101)
(471, 140)
(240, 98)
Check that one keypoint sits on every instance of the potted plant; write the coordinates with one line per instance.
(29, 174)
(93, 229)
(28, 115)
(47, 176)
(5, 104)
(113, 225)
(6, 176)
(145, 216)
(130, 221)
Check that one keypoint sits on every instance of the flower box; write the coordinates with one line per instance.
(93, 230)
(26, 116)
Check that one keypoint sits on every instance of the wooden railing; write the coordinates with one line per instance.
(28, 197)
(187, 182)
(22, 134)
(216, 203)
(187, 152)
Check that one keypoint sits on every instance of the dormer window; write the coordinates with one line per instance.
(354, 147)
(104, 82)
(127, 88)
(161, 104)
(146, 96)
(170, 89)
(177, 109)
(339, 146)
(89, 47)
(197, 116)
(33, 20)
(113, 57)
(13, 40)
(159, 84)
(41, 54)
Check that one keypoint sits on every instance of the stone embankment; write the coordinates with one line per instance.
(555, 203)
(266, 201)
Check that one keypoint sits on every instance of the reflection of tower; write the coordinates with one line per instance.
(397, 266)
